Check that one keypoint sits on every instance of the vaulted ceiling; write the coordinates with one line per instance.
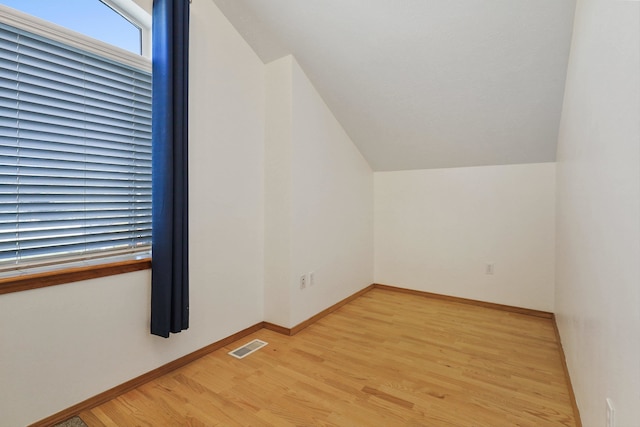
(426, 83)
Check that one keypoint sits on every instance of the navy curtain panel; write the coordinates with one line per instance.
(170, 262)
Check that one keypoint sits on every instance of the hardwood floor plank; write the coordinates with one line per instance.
(385, 358)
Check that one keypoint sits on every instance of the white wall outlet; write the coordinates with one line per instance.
(312, 278)
(611, 420)
(489, 268)
(303, 281)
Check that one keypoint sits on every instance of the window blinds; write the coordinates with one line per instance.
(75, 152)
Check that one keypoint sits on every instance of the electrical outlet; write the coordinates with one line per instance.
(489, 269)
(611, 420)
(312, 278)
(303, 281)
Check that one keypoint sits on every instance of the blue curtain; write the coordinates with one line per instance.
(170, 262)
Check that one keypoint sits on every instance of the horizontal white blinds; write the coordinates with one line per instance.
(75, 151)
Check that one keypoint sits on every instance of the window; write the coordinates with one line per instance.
(75, 145)
(118, 23)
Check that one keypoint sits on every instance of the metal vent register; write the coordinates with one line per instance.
(247, 349)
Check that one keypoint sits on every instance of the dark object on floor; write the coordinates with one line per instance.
(72, 422)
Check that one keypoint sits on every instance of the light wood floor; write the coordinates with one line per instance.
(385, 359)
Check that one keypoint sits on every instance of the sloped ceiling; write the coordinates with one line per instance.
(423, 84)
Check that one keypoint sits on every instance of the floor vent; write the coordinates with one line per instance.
(247, 349)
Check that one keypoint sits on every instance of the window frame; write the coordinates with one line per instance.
(135, 14)
(81, 269)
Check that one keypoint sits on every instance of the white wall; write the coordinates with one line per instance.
(435, 231)
(277, 182)
(319, 210)
(63, 344)
(598, 223)
(332, 209)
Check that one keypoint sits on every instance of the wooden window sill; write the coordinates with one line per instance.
(68, 275)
